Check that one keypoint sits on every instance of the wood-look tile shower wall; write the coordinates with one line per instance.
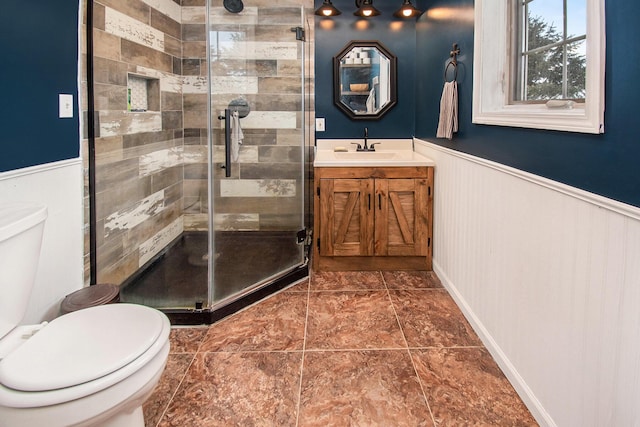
(254, 56)
(151, 167)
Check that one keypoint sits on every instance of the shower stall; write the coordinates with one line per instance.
(198, 151)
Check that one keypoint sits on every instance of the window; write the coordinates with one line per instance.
(540, 64)
(550, 50)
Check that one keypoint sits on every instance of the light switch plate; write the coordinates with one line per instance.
(66, 106)
(320, 124)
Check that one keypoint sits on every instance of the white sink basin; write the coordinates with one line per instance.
(328, 158)
(389, 153)
(365, 155)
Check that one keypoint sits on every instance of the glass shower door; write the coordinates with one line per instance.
(256, 187)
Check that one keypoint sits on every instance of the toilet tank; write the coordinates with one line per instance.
(21, 227)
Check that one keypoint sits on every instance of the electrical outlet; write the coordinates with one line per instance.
(320, 124)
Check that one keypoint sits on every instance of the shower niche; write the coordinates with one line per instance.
(143, 94)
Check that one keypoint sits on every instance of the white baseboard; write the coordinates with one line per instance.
(510, 371)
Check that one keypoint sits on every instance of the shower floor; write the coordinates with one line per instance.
(178, 279)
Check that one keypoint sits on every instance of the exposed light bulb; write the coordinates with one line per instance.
(406, 10)
(366, 9)
(327, 9)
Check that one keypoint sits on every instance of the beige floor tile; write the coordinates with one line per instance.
(275, 324)
(464, 386)
(430, 318)
(346, 281)
(238, 389)
(361, 388)
(411, 279)
(186, 340)
(352, 320)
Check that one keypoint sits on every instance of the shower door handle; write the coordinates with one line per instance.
(227, 141)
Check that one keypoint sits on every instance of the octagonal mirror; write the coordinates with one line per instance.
(364, 80)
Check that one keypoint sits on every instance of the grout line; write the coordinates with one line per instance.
(348, 290)
(251, 351)
(395, 313)
(304, 346)
(203, 339)
(426, 400)
(359, 349)
(451, 347)
(186, 371)
(346, 349)
(413, 364)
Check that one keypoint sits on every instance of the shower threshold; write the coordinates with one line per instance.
(176, 280)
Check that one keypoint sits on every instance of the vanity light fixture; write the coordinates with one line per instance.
(366, 9)
(407, 10)
(327, 9)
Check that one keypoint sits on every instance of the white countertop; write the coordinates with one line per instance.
(389, 153)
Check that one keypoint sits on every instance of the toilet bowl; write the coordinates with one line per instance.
(94, 366)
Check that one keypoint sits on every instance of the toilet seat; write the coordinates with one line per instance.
(81, 353)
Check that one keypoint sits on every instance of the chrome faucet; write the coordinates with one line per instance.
(365, 147)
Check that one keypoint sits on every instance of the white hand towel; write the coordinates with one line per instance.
(236, 136)
(448, 123)
(371, 101)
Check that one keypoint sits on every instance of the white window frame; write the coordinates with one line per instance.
(492, 67)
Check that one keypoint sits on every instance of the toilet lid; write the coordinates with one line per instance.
(81, 346)
(16, 217)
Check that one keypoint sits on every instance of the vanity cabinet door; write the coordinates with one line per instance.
(346, 215)
(370, 219)
(382, 217)
(401, 217)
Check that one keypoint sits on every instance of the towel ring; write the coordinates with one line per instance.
(454, 61)
(455, 70)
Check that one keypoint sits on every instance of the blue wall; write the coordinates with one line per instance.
(39, 44)
(39, 41)
(607, 164)
(399, 36)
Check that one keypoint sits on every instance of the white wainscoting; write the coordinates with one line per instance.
(59, 186)
(549, 277)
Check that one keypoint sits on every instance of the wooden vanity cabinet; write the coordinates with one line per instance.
(373, 218)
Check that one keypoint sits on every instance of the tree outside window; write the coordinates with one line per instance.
(551, 61)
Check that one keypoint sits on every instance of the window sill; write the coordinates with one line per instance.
(541, 117)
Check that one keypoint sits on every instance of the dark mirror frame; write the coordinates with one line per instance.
(393, 92)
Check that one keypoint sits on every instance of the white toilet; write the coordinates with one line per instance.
(94, 366)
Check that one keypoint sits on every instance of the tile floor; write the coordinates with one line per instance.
(340, 349)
